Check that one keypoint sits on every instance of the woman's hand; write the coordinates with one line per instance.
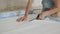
(24, 18)
(42, 15)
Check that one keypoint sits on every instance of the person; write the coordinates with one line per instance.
(54, 10)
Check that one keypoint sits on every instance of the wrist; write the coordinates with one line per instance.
(25, 16)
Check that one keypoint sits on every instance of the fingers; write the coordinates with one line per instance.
(40, 16)
(21, 19)
(25, 19)
(17, 20)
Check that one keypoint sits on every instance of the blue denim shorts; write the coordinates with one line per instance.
(47, 4)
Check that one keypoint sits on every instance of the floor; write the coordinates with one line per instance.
(10, 26)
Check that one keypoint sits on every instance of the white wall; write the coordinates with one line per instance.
(18, 3)
(3, 4)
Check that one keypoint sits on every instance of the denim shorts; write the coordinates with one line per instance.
(47, 4)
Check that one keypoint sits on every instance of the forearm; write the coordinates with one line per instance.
(55, 9)
(52, 11)
(28, 7)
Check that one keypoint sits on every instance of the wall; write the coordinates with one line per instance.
(18, 4)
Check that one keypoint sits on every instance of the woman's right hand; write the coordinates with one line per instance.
(24, 18)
